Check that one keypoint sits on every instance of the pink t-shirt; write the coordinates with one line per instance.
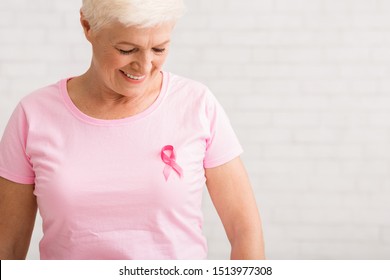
(119, 189)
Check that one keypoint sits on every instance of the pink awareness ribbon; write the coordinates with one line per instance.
(168, 156)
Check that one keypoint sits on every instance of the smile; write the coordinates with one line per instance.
(137, 78)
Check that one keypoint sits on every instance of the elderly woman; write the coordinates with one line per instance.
(116, 159)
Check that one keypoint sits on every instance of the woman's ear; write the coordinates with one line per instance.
(86, 26)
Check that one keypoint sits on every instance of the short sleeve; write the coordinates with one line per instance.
(223, 145)
(14, 162)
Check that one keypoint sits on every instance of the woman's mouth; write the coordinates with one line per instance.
(133, 77)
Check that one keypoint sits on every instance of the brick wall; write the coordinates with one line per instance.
(306, 86)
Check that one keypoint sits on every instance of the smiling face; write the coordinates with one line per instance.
(128, 60)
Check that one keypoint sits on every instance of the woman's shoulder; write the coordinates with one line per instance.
(185, 84)
(190, 91)
(47, 95)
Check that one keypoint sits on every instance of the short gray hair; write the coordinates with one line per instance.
(141, 13)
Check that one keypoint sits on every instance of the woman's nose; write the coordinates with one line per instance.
(143, 62)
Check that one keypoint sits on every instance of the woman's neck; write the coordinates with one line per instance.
(97, 100)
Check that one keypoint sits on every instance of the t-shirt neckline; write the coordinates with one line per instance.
(91, 120)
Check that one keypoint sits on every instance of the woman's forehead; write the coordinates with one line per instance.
(132, 35)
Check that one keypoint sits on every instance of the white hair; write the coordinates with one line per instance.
(141, 13)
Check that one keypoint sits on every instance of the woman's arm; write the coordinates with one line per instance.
(18, 208)
(232, 195)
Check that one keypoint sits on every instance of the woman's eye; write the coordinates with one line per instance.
(126, 52)
(157, 50)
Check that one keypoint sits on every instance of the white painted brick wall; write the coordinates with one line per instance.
(306, 85)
